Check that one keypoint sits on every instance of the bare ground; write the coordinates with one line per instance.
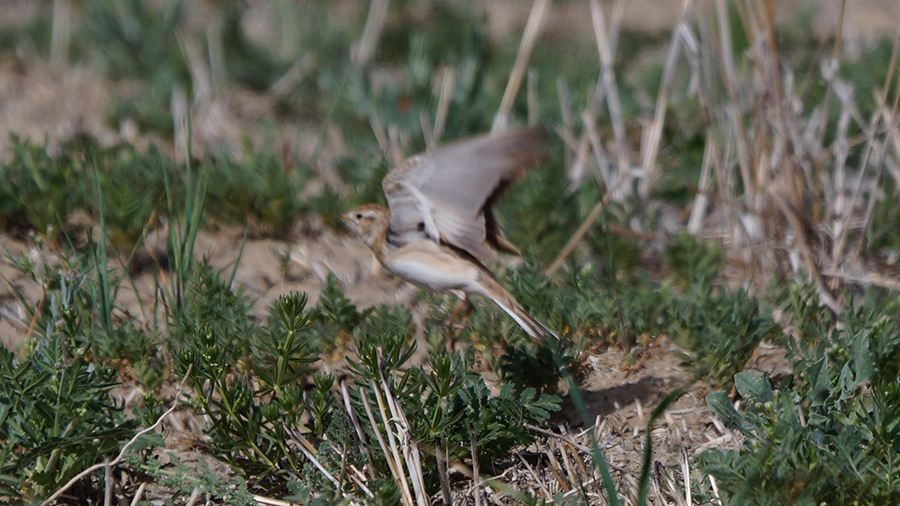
(42, 102)
(619, 395)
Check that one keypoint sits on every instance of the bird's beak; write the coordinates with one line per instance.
(348, 221)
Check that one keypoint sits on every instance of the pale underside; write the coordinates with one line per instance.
(429, 265)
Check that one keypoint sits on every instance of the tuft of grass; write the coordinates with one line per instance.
(134, 40)
(41, 193)
(56, 415)
(828, 433)
(692, 261)
(260, 189)
(721, 331)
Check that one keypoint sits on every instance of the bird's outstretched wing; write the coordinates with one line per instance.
(447, 194)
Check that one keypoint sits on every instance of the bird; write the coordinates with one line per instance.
(439, 231)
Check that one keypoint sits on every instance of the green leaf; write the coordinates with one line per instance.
(863, 362)
(819, 383)
(721, 405)
(752, 385)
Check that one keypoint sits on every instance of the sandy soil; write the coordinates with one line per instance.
(42, 102)
(619, 395)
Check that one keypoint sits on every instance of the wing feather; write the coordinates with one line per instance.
(450, 191)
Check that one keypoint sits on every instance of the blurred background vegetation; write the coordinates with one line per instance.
(724, 180)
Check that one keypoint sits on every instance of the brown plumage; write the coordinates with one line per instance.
(440, 230)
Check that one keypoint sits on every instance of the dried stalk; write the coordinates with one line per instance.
(390, 454)
(364, 50)
(476, 473)
(360, 433)
(532, 30)
(443, 107)
(650, 148)
(608, 77)
(404, 436)
(125, 448)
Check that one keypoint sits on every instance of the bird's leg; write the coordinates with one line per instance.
(456, 310)
(465, 319)
(451, 335)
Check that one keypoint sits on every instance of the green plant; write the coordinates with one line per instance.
(260, 189)
(259, 392)
(335, 319)
(56, 417)
(251, 424)
(447, 405)
(186, 214)
(183, 480)
(692, 261)
(212, 316)
(830, 432)
(37, 191)
(41, 192)
(133, 40)
(721, 331)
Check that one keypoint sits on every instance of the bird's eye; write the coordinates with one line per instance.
(358, 216)
(421, 227)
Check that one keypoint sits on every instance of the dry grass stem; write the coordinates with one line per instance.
(287, 83)
(867, 279)
(364, 50)
(701, 201)
(531, 97)
(729, 75)
(195, 496)
(53, 497)
(715, 488)
(107, 483)
(559, 436)
(442, 472)
(380, 132)
(608, 77)
(650, 148)
(535, 477)
(138, 495)
(565, 104)
(476, 473)
(427, 132)
(268, 501)
(391, 457)
(360, 479)
(302, 445)
(529, 37)
(404, 436)
(354, 420)
(590, 132)
(555, 468)
(582, 230)
(448, 78)
(216, 48)
(61, 32)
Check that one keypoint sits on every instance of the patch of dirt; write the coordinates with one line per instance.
(43, 103)
(619, 396)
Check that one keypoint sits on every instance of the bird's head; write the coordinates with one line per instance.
(370, 222)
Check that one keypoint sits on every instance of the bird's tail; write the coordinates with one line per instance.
(508, 303)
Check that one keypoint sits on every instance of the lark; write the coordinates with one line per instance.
(439, 231)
